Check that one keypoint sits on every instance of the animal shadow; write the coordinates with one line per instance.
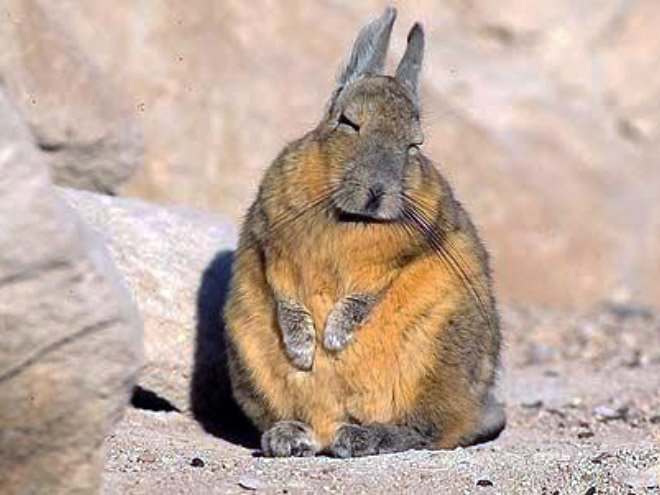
(211, 400)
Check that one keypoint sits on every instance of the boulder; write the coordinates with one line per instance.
(70, 335)
(177, 263)
(77, 115)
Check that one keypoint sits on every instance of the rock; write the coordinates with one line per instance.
(645, 480)
(176, 262)
(251, 483)
(77, 114)
(71, 337)
(197, 462)
(607, 413)
(148, 457)
(532, 404)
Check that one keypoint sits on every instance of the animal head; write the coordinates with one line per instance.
(372, 127)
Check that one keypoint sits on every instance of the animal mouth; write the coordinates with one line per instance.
(371, 203)
(365, 218)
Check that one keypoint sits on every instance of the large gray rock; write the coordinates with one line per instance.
(78, 116)
(70, 337)
(176, 262)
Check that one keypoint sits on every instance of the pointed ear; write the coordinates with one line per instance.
(369, 49)
(409, 68)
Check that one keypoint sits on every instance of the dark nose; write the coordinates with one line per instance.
(374, 197)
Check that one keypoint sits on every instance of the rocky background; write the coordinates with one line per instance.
(544, 116)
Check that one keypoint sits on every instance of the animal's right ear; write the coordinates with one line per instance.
(369, 49)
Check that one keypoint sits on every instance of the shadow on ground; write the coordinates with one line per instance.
(210, 394)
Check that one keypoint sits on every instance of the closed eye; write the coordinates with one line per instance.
(413, 149)
(343, 120)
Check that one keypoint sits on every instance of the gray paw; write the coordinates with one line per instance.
(344, 319)
(377, 438)
(288, 438)
(354, 441)
(298, 334)
(336, 336)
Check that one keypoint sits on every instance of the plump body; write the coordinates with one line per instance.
(417, 369)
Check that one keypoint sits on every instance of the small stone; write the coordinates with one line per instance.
(606, 413)
(251, 483)
(551, 373)
(484, 482)
(646, 480)
(585, 434)
(556, 412)
(634, 360)
(655, 419)
(600, 458)
(197, 462)
(532, 404)
(147, 457)
(590, 491)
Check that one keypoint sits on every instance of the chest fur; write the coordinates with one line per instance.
(333, 262)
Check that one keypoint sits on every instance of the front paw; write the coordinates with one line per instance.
(337, 333)
(288, 438)
(344, 318)
(298, 334)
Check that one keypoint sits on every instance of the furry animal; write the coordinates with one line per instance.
(361, 318)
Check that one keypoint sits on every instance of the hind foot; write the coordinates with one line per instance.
(361, 440)
(288, 439)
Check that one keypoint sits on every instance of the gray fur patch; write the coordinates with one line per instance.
(377, 438)
(298, 333)
(344, 318)
(288, 438)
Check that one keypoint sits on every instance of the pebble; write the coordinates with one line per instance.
(196, 462)
(556, 412)
(600, 457)
(484, 482)
(147, 457)
(634, 360)
(251, 483)
(532, 404)
(607, 413)
(646, 480)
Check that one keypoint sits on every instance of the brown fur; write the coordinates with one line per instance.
(424, 355)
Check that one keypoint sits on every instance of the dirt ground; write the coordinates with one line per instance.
(583, 401)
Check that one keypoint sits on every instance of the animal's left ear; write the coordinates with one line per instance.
(407, 73)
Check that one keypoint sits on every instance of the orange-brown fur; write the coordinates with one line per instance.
(427, 352)
(394, 362)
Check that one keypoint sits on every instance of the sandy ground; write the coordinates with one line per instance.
(583, 401)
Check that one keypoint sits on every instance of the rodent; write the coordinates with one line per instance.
(361, 317)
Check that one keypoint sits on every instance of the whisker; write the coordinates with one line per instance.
(290, 217)
(442, 246)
